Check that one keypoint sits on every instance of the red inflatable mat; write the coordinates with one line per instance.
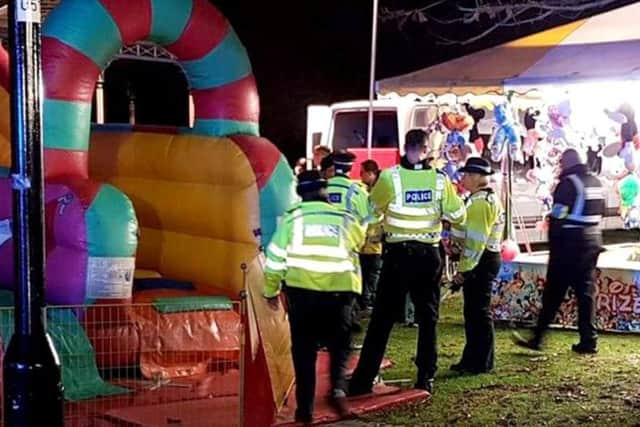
(383, 397)
(149, 403)
(219, 412)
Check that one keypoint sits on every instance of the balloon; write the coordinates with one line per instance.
(510, 250)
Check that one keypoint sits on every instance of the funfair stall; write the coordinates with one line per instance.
(571, 86)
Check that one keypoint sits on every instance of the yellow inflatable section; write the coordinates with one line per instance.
(5, 129)
(196, 200)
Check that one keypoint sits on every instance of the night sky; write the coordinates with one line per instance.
(303, 52)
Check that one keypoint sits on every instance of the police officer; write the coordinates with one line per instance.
(344, 192)
(479, 242)
(314, 250)
(413, 198)
(371, 254)
(575, 242)
(350, 196)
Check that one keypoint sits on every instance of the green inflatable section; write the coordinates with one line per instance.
(80, 374)
(196, 303)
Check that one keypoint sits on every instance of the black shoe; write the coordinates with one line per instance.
(303, 418)
(459, 367)
(531, 344)
(358, 389)
(338, 401)
(581, 348)
(425, 384)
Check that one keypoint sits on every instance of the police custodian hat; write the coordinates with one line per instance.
(310, 181)
(477, 165)
(343, 161)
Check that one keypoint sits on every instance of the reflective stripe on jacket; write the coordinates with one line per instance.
(350, 196)
(315, 247)
(414, 202)
(482, 230)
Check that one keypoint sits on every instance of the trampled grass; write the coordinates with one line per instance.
(554, 387)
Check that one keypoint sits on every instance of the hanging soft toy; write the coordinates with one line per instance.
(543, 178)
(506, 134)
(534, 135)
(476, 114)
(456, 148)
(457, 122)
(455, 154)
(629, 139)
(629, 191)
(557, 127)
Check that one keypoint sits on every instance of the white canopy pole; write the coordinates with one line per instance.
(372, 77)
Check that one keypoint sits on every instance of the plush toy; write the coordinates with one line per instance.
(455, 153)
(543, 178)
(629, 191)
(629, 139)
(505, 134)
(559, 115)
(456, 148)
(534, 134)
(457, 122)
(476, 114)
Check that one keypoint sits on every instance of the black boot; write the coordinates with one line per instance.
(338, 401)
(424, 384)
(582, 348)
(532, 343)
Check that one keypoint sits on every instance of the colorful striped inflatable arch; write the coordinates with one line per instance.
(205, 197)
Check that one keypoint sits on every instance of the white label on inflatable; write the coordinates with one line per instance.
(5, 231)
(28, 11)
(110, 278)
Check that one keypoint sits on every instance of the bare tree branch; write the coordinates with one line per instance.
(495, 14)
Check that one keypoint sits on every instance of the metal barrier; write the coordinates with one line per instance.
(146, 364)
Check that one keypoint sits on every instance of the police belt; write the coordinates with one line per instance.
(411, 248)
(586, 229)
(436, 235)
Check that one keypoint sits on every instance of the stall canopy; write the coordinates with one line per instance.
(606, 46)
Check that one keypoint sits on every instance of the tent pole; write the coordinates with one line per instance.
(372, 77)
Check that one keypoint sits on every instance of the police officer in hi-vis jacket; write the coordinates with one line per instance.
(413, 198)
(315, 252)
(479, 240)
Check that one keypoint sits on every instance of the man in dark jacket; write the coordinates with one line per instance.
(575, 242)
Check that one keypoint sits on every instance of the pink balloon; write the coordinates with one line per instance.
(510, 250)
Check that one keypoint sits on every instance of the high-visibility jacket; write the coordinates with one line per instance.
(373, 241)
(578, 204)
(483, 229)
(414, 199)
(315, 247)
(350, 196)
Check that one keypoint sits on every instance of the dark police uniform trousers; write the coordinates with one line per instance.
(478, 354)
(318, 317)
(411, 267)
(575, 242)
(572, 263)
(371, 265)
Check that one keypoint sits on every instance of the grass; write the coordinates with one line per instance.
(556, 387)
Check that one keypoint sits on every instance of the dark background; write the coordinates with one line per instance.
(304, 52)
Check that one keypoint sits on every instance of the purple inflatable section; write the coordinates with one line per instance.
(66, 254)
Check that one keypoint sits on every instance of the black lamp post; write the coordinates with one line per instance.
(33, 391)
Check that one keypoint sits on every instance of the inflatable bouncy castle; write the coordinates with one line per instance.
(155, 206)
(220, 182)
